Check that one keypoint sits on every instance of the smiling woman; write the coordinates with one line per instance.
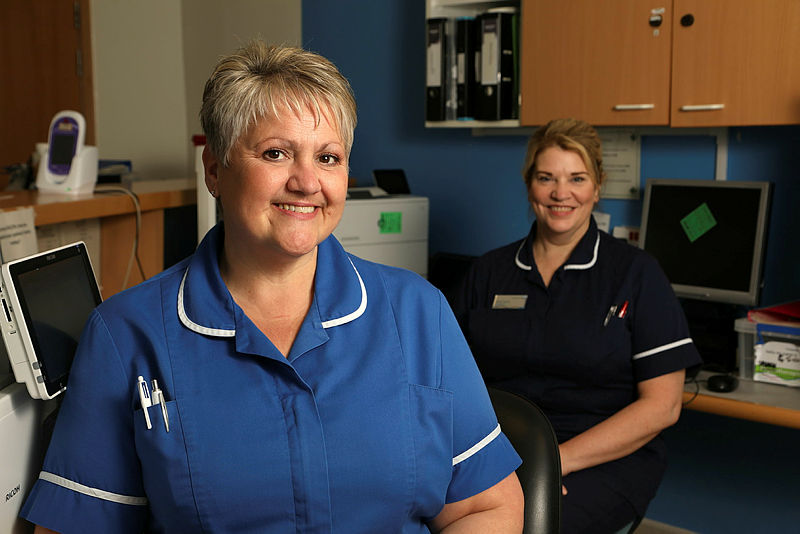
(306, 390)
(585, 326)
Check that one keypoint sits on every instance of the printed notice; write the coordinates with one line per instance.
(698, 222)
(621, 154)
(17, 234)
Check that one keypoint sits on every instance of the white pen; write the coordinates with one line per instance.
(611, 311)
(144, 398)
(158, 398)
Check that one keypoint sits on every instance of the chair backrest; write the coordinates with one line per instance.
(530, 432)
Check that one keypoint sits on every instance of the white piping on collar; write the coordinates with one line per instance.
(358, 312)
(566, 267)
(518, 261)
(591, 263)
(200, 329)
(191, 325)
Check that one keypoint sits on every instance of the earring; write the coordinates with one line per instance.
(214, 192)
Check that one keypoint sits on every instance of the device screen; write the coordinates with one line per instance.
(56, 297)
(62, 149)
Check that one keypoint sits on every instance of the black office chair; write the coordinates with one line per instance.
(530, 432)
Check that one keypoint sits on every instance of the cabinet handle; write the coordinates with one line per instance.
(703, 107)
(629, 107)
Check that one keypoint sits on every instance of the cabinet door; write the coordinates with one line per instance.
(45, 66)
(602, 62)
(736, 62)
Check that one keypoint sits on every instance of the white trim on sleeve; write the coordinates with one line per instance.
(478, 446)
(92, 492)
(662, 348)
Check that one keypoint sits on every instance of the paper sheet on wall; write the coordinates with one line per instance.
(17, 234)
(621, 156)
(86, 230)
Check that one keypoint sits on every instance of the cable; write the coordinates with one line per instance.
(693, 380)
(105, 189)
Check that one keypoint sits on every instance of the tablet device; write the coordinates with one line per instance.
(46, 299)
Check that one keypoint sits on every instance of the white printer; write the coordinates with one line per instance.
(20, 450)
(392, 230)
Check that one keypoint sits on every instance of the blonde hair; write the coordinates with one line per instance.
(259, 80)
(568, 134)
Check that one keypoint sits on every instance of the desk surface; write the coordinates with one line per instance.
(50, 209)
(754, 401)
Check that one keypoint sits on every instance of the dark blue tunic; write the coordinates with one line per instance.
(570, 347)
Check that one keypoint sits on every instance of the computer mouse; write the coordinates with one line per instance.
(722, 383)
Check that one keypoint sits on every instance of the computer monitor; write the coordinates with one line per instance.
(708, 236)
(393, 181)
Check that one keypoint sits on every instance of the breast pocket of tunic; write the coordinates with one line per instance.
(165, 471)
(599, 354)
(431, 412)
(499, 340)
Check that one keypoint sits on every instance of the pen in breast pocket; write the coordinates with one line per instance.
(144, 399)
(616, 311)
(158, 398)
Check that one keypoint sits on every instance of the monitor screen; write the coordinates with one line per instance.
(56, 292)
(708, 236)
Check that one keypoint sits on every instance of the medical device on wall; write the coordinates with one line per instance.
(46, 299)
(68, 166)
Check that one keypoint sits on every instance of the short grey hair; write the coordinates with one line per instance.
(260, 80)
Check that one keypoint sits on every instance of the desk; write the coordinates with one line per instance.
(117, 216)
(754, 401)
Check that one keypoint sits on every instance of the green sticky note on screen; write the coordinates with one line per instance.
(391, 222)
(698, 222)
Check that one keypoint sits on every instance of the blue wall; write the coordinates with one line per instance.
(478, 202)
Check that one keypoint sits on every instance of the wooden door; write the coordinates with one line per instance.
(45, 67)
(738, 60)
(604, 62)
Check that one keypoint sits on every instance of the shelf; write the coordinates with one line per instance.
(455, 8)
(511, 123)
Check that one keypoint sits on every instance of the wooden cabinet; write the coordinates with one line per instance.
(46, 61)
(602, 62)
(738, 54)
(672, 62)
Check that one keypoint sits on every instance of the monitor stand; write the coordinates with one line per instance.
(711, 328)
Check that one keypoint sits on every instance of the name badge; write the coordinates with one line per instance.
(509, 302)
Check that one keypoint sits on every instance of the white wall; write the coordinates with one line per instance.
(151, 59)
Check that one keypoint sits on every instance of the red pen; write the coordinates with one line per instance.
(623, 310)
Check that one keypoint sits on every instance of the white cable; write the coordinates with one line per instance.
(134, 251)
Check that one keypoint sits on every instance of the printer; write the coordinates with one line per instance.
(390, 229)
(21, 448)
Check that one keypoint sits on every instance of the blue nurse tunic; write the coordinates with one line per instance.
(578, 346)
(375, 420)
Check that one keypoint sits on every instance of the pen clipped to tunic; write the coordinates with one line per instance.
(158, 398)
(144, 399)
(616, 311)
